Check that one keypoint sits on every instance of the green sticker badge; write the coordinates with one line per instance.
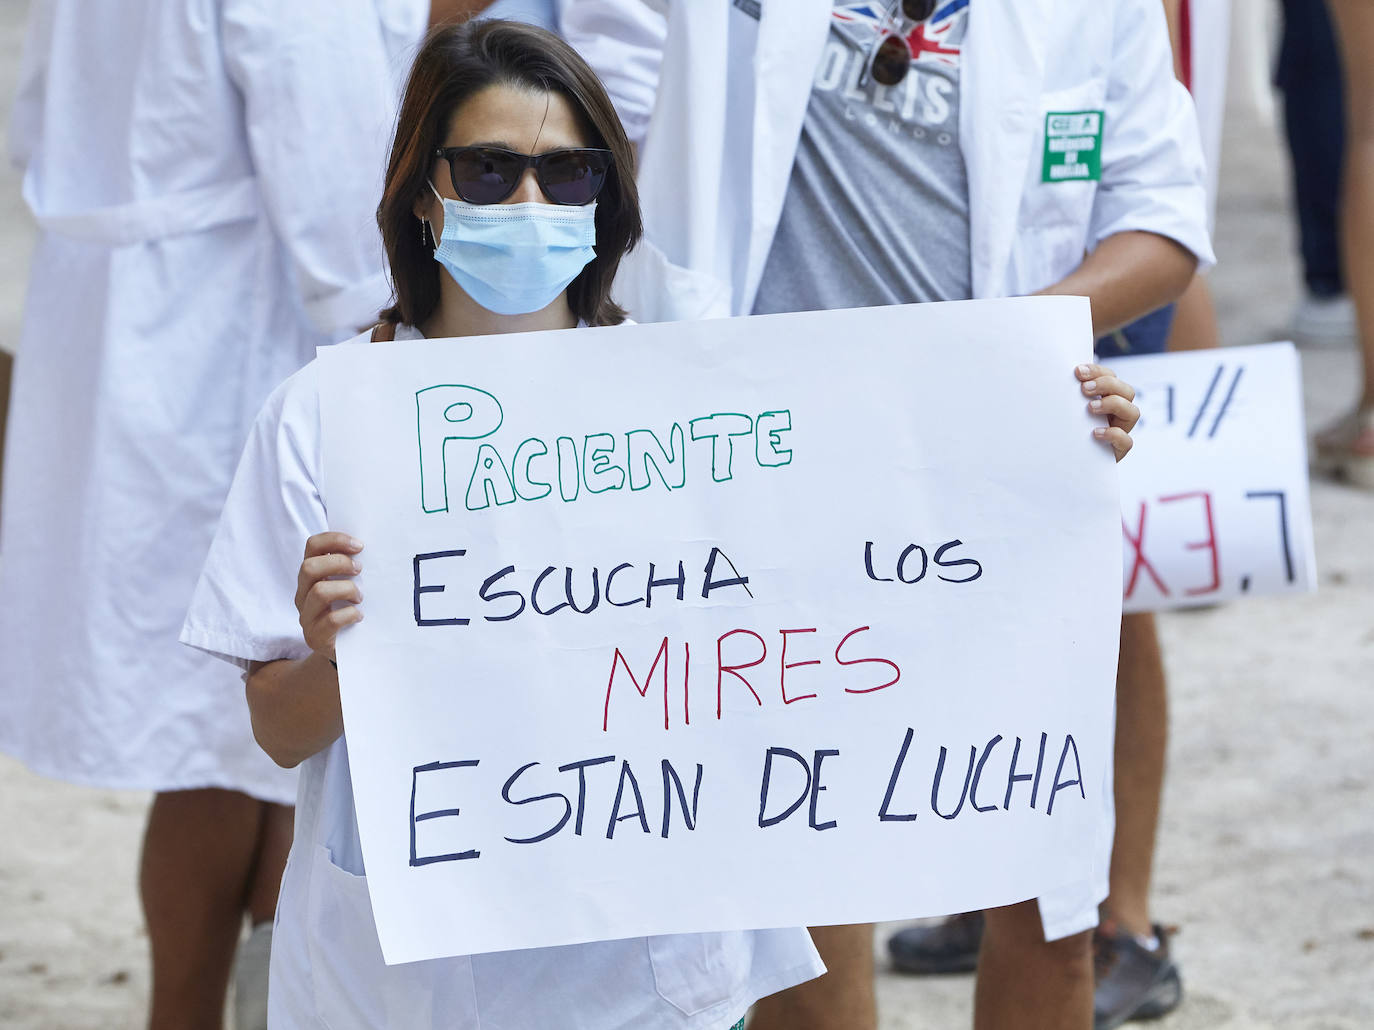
(1073, 146)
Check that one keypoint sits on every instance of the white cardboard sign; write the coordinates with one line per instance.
(776, 621)
(1214, 495)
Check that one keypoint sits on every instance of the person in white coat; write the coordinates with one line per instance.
(481, 242)
(1200, 31)
(203, 174)
(788, 163)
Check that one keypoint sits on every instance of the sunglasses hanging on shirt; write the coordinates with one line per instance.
(891, 58)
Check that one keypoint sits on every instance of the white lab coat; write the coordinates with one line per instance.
(204, 175)
(716, 154)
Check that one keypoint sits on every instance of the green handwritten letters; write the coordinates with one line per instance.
(452, 418)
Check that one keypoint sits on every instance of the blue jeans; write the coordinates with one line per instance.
(1309, 73)
(1146, 335)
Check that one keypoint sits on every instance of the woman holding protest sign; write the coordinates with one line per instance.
(509, 203)
(505, 136)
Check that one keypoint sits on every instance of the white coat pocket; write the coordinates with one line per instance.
(354, 989)
(694, 972)
(1061, 186)
(1066, 163)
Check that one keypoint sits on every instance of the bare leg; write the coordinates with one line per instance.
(1173, 15)
(1195, 321)
(842, 999)
(275, 830)
(1142, 734)
(198, 855)
(1355, 32)
(1027, 983)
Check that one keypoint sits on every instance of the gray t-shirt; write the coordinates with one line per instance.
(877, 210)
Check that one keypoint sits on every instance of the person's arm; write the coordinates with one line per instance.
(319, 101)
(294, 704)
(295, 708)
(1173, 13)
(1148, 230)
(1127, 276)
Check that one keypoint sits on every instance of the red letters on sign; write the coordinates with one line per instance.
(1137, 543)
(782, 675)
(722, 668)
(735, 669)
(896, 671)
(619, 660)
(1210, 543)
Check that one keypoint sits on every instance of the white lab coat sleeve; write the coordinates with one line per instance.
(1153, 178)
(26, 116)
(319, 101)
(243, 608)
(623, 41)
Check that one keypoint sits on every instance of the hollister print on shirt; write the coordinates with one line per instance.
(933, 39)
(877, 210)
(925, 101)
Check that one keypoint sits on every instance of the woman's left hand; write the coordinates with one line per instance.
(1110, 396)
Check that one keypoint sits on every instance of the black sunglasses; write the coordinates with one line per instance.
(892, 58)
(488, 175)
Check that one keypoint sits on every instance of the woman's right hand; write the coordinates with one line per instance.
(324, 581)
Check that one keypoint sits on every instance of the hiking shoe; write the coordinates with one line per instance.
(250, 978)
(1133, 981)
(1346, 448)
(949, 946)
(1324, 321)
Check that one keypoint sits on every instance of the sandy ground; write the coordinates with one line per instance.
(1264, 854)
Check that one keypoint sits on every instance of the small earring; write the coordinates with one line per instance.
(424, 232)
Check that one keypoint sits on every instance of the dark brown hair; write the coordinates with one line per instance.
(455, 63)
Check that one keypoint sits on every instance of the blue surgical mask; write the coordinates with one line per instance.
(515, 258)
